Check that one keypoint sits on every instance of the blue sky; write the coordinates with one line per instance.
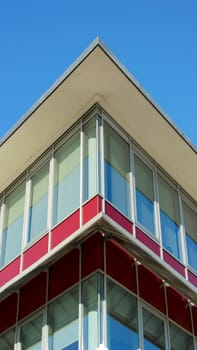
(155, 39)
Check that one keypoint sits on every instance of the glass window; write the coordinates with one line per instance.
(190, 221)
(90, 172)
(144, 195)
(7, 340)
(170, 218)
(63, 321)
(13, 225)
(180, 339)
(154, 332)
(117, 169)
(122, 318)
(90, 313)
(39, 203)
(67, 179)
(31, 334)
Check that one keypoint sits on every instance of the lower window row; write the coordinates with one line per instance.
(84, 318)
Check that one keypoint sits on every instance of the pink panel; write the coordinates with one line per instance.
(10, 271)
(35, 252)
(192, 278)
(118, 217)
(174, 263)
(65, 229)
(92, 208)
(147, 241)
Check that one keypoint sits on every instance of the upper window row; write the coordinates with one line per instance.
(97, 159)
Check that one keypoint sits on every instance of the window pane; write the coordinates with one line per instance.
(63, 321)
(122, 318)
(117, 168)
(90, 313)
(180, 339)
(90, 160)
(7, 340)
(170, 219)
(67, 179)
(31, 334)
(39, 203)
(190, 220)
(154, 334)
(144, 195)
(13, 225)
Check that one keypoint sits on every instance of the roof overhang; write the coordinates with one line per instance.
(98, 77)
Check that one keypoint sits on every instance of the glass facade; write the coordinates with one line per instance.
(94, 158)
(77, 320)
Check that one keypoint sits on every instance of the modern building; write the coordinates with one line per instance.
(98, 219)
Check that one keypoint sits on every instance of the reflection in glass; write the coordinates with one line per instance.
(170, 218)
(31, 334)
(117, 169)
(144, 195)
(90, 313)
(180, 339)
(13, 225)
(67, 179)
(190, 221)
(7, 340)
(122, 318)
(154, 334)
(39, 203)
(63, 321)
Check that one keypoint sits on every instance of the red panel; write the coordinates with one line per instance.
(118, 217)
(65, 229)
(92, 254)
(192, 278)
(194, 315)
(10, 271)
(121, 265)
(174, 263)
(151, 288)
(64, 273)
(178, 308)
(32, 295)
(92, 208)
(35, 252)
(8, 309)
(147, 241)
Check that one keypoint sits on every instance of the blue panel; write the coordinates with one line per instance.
(12, 238)
(121, 337)
(145, 212)
(170, 235)
(192, 252)
(73, 346)
(117, 190)
(38, 217)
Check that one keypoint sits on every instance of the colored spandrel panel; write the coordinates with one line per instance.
(31, 334)
(170, 218)
(63, 321)
(67, 179)
(122, 318)
(144, 195)
(90, 171)
(117, 170)
(190, 222)
(13, 225)
(39, 203)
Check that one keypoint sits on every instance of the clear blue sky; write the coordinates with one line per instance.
(155, 39)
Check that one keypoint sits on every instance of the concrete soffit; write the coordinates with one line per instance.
(98, 77)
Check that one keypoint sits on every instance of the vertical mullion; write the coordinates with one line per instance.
(139, 311)
(102, 162)
(81, 172)
(133, 190)
(158, 221)
(27, 204)
(182, 235)
(2, 245)
(52, 165)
